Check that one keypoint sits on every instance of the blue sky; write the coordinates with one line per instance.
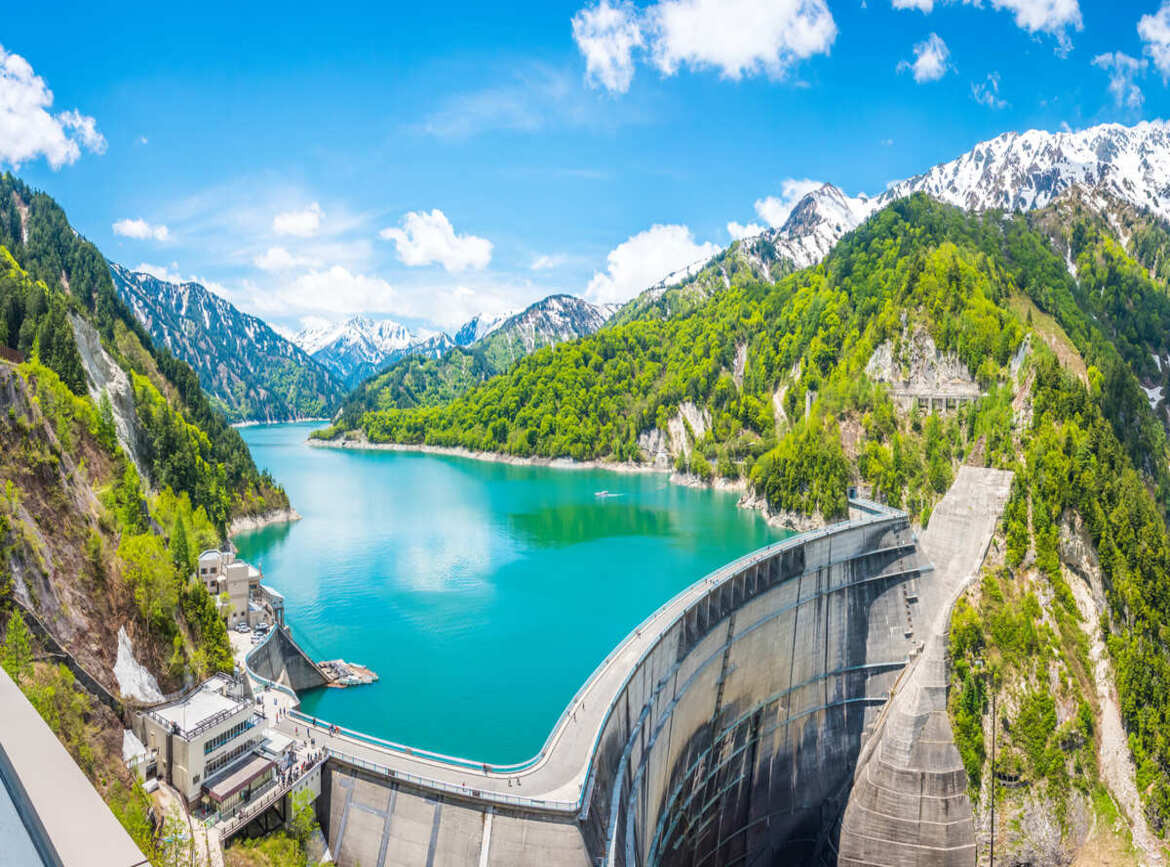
(422, 164)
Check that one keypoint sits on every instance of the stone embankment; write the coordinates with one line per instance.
(248, 523)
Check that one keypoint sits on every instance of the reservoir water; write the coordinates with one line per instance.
(483, 594)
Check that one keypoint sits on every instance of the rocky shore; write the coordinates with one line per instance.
(247, 523)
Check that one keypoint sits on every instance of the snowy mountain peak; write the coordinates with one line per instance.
(361, 346)
(480, 326)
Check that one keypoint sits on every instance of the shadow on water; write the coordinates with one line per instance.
(573, 523)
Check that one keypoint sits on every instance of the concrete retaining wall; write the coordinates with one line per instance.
(281, 660)
(739, 733)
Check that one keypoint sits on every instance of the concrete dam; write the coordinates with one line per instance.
(790, 708)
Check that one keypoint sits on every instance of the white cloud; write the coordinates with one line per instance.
(141, 230)
(169, 273)
(428, 238)
(1055, 17)
(545, 262)
(1155, 33)
(774, 210)
(987, 92)
(930, 59)
(334, 290)
(1123, 72)
(302, 224)
(606, 35)
(28, 130)
(738, 231)
(735, 37)
(643, 259)
(280, 259)
(739, 37)
(143, 140)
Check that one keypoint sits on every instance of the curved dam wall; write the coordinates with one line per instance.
(738, 734)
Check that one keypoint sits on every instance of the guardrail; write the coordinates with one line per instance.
(453, 788)
(878, 512)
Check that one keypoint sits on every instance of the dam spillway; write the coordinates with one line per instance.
(728, 728)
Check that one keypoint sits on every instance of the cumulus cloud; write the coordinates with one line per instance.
(28, 130)
(930, 59)
(987, 92)
(280, 259)
(643, 259)
(738, 231)
(546, 261)
(426, 238)
(606, 35)
(301, 224)
(737, 38)
(1155, 33)
(1123, 72)
(335, 290)
(141, 230)
(1054, 17)
(774, 210)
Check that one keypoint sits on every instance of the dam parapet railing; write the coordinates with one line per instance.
(651, 631)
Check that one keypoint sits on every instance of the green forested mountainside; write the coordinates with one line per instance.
(917, 261)
(65, 273)
(417, 380)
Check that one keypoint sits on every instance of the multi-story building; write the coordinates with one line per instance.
(233, 584)
(206, 744)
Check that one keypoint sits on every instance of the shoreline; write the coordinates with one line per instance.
(248, 523)
(252, 422)
(748, 499)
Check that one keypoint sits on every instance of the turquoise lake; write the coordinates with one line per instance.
(482, 594)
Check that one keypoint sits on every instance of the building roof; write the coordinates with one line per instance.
(49, 811)
(237, 776)
(202, 707)
(276, 743)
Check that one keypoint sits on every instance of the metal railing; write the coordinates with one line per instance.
(453, 788)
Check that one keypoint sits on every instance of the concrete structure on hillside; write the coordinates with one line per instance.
(206, 743)
(235, 585)
(281, 660)
(50, 814)
(909, 803)
(728, 727)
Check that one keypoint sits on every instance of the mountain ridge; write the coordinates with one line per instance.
(250, 371)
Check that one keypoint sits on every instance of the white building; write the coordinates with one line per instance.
(206, 744)
(232, 583)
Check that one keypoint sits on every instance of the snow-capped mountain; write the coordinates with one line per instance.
(554, 319)
(1013, 171)
(360, 347)
(249, 371)
(479, 327)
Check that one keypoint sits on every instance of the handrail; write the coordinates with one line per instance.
(270, 797)
(878, 513)
(454, 788)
